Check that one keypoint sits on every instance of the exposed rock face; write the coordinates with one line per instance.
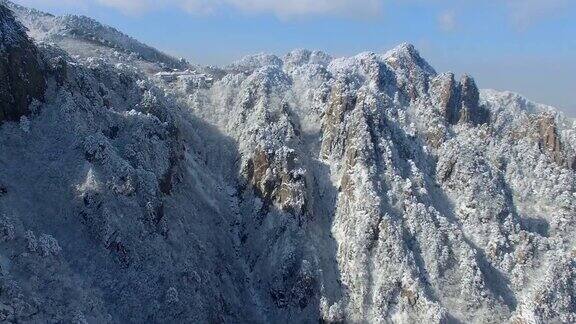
(548, 138)
(469, 98)
(341, 101)
(459, 102)
(21, 69)
(276, 179)
(367, 189)
(448, 97)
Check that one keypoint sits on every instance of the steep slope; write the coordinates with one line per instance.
(84, 37)
(434, 209)
(21, 69)
(295, 189)
(107, 205)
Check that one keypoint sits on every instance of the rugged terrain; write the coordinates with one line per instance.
(136, 187)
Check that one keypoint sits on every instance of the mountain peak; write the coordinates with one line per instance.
(256, 61)
(368, 190)
(299, 57)
(407, 48)
(407, 55)
(77, 33)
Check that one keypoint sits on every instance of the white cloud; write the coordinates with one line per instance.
(128, 6)
(523, 13)
(526, 12)
(280, 8)
(447, 20)
(62, 3)
(288, 8)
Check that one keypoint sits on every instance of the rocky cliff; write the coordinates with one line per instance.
(21, 69)
(295, 189)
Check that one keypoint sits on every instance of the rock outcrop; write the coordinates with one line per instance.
(276, 178)
(548, 138)
(22, 78)
(458, 102)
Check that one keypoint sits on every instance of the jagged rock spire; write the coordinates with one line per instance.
(458, 102)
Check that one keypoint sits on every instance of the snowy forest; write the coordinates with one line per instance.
(136, 187)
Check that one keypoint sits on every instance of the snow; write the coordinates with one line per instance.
(277, 190)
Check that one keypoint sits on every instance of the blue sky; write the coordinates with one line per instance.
(527, 46)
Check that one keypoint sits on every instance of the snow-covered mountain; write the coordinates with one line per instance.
(138, 188)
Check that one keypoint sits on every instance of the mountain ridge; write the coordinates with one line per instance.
(296, 189)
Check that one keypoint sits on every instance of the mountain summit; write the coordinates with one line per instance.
(139, 188)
